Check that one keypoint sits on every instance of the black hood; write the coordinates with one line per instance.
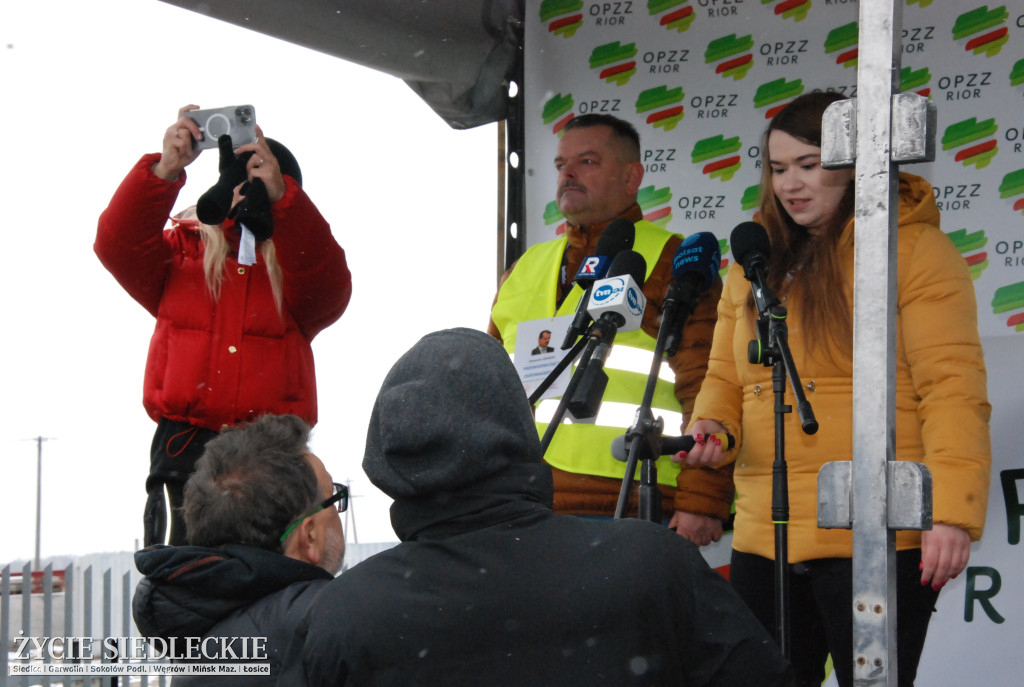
(451, 413)
(189, 589)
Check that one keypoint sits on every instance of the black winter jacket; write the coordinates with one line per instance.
(491, 587)
(231, 591)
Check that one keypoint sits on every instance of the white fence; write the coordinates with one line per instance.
(89, 600)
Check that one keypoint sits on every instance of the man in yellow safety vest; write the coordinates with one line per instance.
(599, 175)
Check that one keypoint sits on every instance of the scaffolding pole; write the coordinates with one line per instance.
(874, 494)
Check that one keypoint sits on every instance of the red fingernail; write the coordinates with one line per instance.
(936, 587)
(700, 439)
(924, 583)
(920, 566)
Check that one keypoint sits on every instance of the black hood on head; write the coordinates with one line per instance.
(452, 412)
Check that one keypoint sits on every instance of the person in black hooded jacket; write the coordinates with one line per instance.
(489, 586)
(262, 514)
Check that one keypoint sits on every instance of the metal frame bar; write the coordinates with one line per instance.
(874, 341)
(512, 178)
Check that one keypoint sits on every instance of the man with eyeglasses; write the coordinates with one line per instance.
(262, 516)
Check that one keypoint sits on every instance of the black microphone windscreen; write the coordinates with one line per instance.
(747, 239)
(616, 237)
(699, 256)
(629, 262)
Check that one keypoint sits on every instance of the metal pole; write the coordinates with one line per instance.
(350, 515)
(39, 495)
(874, 326)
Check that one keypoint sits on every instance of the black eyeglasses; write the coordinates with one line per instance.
(340, 497)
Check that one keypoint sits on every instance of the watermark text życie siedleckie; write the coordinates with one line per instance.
(209, 649)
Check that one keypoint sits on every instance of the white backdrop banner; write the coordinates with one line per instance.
(700, 78)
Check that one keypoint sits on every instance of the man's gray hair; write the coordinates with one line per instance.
(252, 482)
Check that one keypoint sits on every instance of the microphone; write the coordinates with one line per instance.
(617, 237)
(694, 268)
(751, 248)
(616, 304)
(618, 300)
(669, 445)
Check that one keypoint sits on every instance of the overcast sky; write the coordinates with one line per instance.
(87, 89)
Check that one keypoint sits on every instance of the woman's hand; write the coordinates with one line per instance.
(707, 449)
(700, 529)
(945, 550)
(263, 165)
(178, 151)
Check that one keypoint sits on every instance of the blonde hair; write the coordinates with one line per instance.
(215, 253)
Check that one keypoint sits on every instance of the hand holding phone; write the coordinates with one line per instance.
(239, 121)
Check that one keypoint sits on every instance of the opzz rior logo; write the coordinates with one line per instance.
(916, 80)
(733, 55)
(974, 140)
(844, 40)
(616, 62)
(662, 106)
(971, 245)
(678, 14)
(558, 112)
(1012, 186)
(563, 17)
(656, 203)
(1008, 301)
(718, 154)
(791, 9)
(771, 93)
(977, 27)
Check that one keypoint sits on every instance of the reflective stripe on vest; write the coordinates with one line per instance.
(529, 293)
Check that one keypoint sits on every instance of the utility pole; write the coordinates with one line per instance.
(39, 495)
(350, 515)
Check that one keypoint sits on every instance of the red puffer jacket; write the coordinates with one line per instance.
(215, 363)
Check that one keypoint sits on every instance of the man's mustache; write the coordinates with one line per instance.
(572, 185)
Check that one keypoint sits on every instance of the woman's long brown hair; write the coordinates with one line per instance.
(817, 287)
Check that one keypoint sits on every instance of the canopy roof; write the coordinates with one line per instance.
(456, 54)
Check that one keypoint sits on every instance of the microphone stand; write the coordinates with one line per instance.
(644, 440)
(644, 436)
(772, 318)
(603, 330)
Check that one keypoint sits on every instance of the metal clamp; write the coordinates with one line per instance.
(909, 502)
(914, 122)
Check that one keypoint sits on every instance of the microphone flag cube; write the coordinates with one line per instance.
(620, 296)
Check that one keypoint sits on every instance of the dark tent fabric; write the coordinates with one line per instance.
(455, 54)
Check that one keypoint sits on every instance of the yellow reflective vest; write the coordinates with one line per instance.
(529, 293)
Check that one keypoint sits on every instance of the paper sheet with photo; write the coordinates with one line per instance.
(538, 350)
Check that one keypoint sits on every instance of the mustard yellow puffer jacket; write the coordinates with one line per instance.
(942, 410)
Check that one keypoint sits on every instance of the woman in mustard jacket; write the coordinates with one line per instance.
(942, 410)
